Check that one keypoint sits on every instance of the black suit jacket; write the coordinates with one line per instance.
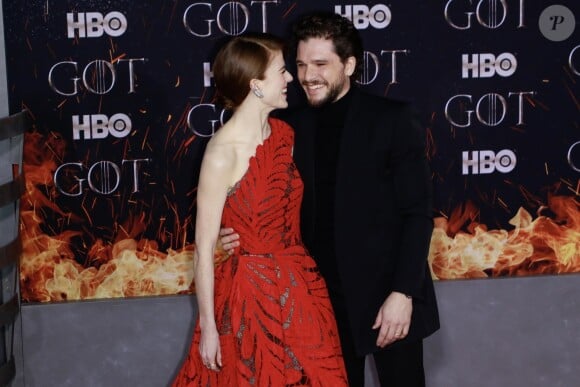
(383, 213)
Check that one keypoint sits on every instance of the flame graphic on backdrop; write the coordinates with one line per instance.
(123, 268)
(127, 267)
(535, 246)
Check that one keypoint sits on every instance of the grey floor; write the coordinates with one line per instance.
(499, 332)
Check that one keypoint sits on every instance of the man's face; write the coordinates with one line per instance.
(321, 73)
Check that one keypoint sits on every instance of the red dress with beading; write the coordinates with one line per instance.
(272, 309)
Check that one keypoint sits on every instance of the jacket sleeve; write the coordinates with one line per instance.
(413, 196)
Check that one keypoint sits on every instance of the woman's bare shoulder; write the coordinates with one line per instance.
(219, 153)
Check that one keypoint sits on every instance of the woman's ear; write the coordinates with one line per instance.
(255, 87)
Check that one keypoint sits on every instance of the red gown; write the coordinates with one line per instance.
(272, 309)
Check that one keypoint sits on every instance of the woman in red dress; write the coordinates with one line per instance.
(264, 314)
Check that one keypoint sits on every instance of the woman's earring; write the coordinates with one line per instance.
(257, 92)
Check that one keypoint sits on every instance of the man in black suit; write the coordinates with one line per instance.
(367, 207)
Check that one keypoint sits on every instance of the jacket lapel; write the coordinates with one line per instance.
(351, 148)
(304, 124)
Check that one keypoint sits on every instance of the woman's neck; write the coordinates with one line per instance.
(250, 124)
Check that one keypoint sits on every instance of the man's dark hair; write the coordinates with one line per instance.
(327, 25)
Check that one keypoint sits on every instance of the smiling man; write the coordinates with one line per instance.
(322, 74)
(366, 212)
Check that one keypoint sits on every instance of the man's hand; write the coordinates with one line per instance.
(228, 240)
(393, 319)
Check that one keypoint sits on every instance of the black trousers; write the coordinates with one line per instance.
(401, 366)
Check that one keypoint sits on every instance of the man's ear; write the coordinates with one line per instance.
(349, 66)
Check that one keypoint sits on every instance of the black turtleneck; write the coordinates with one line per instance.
(331, 119)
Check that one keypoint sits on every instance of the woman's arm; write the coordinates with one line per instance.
(211, 195)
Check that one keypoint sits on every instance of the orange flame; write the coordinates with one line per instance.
(48, 269)
(127, 267)
(535, 246)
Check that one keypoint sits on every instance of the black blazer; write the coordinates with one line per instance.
(383, 214)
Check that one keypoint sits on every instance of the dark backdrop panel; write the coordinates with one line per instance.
(121, 95)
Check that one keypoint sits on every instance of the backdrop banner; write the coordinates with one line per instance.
(121, 97)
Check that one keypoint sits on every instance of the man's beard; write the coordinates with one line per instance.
(333, 93)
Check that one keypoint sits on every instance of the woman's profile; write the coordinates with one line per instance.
(265, 318)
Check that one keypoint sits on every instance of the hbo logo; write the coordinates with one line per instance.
(98, 126)
(94, 24)
(379, 16)
(486, 162)
(487, 65)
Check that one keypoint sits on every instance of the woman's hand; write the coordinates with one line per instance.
(209, 349)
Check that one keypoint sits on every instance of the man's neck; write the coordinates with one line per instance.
(343, 93)
(342, 97)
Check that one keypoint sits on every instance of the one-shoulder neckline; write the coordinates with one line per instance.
(234, 188)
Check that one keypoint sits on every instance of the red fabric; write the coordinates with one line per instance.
(274, 317)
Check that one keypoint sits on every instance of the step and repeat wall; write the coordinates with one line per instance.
(120, 93)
